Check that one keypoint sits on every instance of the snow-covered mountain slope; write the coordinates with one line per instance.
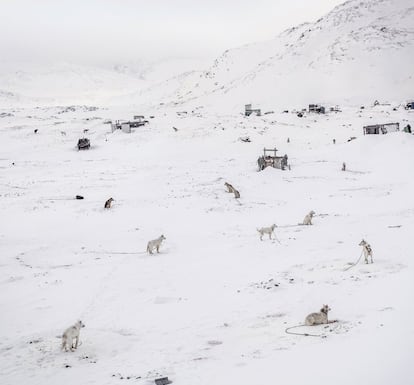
(359, 52)
(23, 84)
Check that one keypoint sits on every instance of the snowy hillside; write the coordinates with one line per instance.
(28, 84)
(359, 52)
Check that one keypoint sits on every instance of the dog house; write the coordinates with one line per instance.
(248, 110)
(269, 158)
(377, 129)
(84, 144)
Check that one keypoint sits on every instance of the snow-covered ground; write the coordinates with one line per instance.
(213, 306)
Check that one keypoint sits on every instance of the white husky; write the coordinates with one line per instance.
(318, 318)
(155, 244)
(267, 230)
(308, 219)
(70, 334)
(366, 248)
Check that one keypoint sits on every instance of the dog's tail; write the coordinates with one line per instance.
(148, 250)
(63, 343)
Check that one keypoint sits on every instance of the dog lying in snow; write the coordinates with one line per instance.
(319, 318)
(366, 248)
(308, 219)
(70, 334)
(155, 244)
(266, 230)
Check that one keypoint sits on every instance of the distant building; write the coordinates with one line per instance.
(335, 109)
(410, 105)
(127, 126)
(248, 110)
(381, 128)
(316, 108)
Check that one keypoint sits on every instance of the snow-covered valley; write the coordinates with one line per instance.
(213, 306)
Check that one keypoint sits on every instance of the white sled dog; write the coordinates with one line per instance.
(155, 244)
(70, 334)
(266, 230)
(308, 219)
(318, 318)
(367, 250)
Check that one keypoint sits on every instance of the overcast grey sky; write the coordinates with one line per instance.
(117, 30)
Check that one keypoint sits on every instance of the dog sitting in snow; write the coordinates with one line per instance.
(70, 334)
(319, 318)
(367, 250)
(108, 203)
(231, 189)
(308, 219)
(266, 230)
(155, 244)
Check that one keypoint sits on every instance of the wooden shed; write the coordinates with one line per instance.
(377, 129)
(248, 110)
